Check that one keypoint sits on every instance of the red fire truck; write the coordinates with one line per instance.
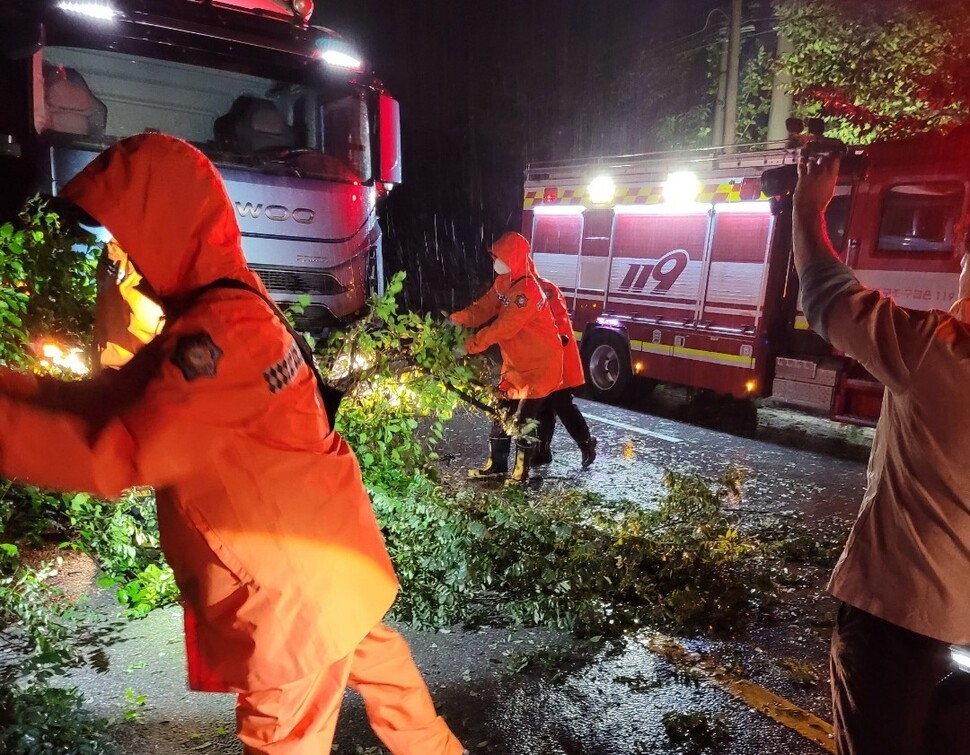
(678, 272)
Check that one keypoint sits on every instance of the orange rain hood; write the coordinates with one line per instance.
(513, 249)
(184, 233)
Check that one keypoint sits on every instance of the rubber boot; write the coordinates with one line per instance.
(497, 463)
(589, 451)
(547, 428)
(523, 463)
(543, 455)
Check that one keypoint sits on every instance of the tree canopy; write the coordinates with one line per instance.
(875, 69)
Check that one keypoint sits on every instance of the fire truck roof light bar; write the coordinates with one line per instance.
(601, 190)
(681, 187)
(688, 208)
(559, 209)
(98, 9)
(759, 206)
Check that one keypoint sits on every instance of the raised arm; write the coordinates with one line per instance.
(890, 341)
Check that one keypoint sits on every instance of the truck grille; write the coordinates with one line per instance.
(314, 319)
(299, 281)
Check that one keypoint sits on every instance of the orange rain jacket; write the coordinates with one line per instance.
(521, 325)
(262, 512)
(572, 363)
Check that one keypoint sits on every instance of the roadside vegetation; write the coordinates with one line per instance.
(683, 559)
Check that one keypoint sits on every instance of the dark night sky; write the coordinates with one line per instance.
(486, 87)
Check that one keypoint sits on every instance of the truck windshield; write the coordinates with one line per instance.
(94, 97)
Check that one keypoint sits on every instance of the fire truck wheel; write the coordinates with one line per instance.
(608, 369)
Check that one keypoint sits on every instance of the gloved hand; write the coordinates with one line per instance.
(458, 318)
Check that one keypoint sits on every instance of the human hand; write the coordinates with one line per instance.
(817, 177)
(472, 345)
(458, 318)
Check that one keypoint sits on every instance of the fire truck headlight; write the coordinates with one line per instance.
(681, 187)
(601, 190)
(99, 9)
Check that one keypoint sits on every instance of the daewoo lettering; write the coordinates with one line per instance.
(275, 212)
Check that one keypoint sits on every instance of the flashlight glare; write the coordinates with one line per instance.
(961, 657)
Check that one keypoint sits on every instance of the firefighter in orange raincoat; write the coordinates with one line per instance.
(560, 403)
(262, 512)
(515, 315)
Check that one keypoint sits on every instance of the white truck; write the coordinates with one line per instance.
(306, 139)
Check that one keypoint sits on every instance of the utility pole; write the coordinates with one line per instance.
(733, 75)
(781, 99)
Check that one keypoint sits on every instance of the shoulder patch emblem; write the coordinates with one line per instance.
(521, 300)
(282, 373)
(503, 299)
(196, 355)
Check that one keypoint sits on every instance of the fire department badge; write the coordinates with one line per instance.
(521, 300)
(197, 356)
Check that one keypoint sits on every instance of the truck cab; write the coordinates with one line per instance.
(305, 139)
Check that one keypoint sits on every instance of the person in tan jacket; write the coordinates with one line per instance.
(900, 665)
(262, 512)
(514, 314)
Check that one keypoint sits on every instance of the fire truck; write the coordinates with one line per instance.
(306, 140)
(678, 271)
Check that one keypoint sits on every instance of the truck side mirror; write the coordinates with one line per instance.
(388, 140)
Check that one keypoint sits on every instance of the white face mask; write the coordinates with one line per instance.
(501, 268)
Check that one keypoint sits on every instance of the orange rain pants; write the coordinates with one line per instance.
(300, 718)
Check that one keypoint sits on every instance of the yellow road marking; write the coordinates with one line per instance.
(777, 708)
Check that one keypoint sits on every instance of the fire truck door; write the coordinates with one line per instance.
(906, 245)
(737, 271)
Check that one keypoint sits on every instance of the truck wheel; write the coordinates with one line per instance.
(608, 370)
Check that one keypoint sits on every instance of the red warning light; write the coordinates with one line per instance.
(550, 195)
(750, 188)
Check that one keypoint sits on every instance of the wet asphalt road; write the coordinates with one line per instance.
(598, 701)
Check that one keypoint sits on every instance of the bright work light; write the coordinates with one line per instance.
(681, 187)
(98, 9)
(601, 190)
(960, 656)
(339, 54)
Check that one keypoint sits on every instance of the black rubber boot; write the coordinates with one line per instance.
(497, 463)
(523, 463)
(543, 455)
(589, 451)
(547, 428)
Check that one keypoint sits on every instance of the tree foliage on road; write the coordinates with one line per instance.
(874, 69)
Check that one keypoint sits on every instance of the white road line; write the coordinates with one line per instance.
(634, 429)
